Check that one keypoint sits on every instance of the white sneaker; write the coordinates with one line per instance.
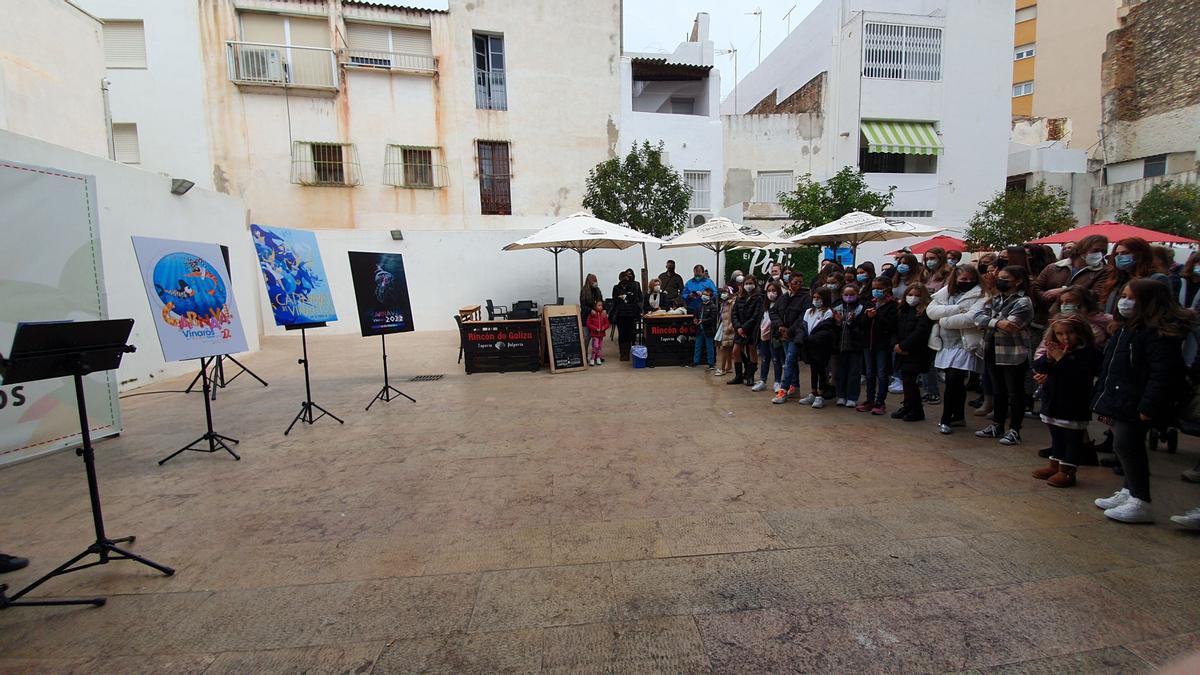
(1190, 520)
(759, 386)
(1133, 510)
(841, 402)
(777, 387)
(850, 404)
(818, 402)
(895, 386)
(807, 400)
(718, 372)
(1119, 497)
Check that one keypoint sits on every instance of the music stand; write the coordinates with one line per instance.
(218, 379)
(306, 407)
(388, 392)
(216, 442)
(42, 351)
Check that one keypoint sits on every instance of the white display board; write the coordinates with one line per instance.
(191, 298)
(50, 271)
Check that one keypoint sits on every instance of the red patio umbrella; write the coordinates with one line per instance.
(1115, 232)
(944, 241)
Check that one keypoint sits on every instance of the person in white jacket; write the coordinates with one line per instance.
(959, 343)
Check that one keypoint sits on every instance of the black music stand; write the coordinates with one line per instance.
(216, 442)
(388, 392)
(306, 407)
(217, 377)
(42, 351)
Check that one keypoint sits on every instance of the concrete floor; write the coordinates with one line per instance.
(609, 521)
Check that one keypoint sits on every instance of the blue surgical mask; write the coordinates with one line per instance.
(862, 278)
(1125, 307)
(1196, 269)
(902, 268)
(1125, 261)
(931, 263)
(1067, 308)
(878, 293)
(818, 303)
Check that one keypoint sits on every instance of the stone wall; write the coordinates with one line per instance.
(804, 100)
(1152, 64)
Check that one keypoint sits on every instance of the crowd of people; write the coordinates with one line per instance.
(1098, 345)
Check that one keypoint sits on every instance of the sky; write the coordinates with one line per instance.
(660, 25)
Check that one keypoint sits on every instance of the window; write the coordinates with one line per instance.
(1024, 52)
(895, 162)
(683, 106)
(701, 192)
(1022, 88)
(490, 90)
(124, 44)
(908, 214)
(495, 197)
(283, 50)
(897, 52)
(376, 46)
(331, 164)
(770, 184)
(413, 167)
(1154, 166)
(1027, 13)
(125, 143)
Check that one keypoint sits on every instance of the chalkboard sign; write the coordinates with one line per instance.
(564, 337)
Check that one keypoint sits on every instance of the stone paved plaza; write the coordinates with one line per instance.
(609, 521)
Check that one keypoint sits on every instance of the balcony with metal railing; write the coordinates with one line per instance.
(420, 64)
(267, 65)
(491, 90)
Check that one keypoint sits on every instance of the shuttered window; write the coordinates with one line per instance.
(899, 52)
(699, 181)
(412, 41)
(369, 37)
(125, 141)
(124, 44)
(771, 183)
(388, 47)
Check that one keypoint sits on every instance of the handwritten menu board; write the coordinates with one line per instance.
(564, 337)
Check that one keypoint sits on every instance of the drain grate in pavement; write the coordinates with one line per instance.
(426, 378)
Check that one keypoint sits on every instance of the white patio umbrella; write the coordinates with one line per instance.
(581, 232)
(856, 228)
(722, 234)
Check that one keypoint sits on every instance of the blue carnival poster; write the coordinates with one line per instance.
(296, 282)
(191, 298)
(381, 290)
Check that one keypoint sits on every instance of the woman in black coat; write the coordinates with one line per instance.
(626, 310)
(914, 356)
(747, 314)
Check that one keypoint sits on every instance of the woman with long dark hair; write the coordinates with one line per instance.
(589, 295)
(627, 308)
(1005, 320)
(747, 314)
(1131, 258)
(961, 354)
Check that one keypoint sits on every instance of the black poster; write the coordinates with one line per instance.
(381, 290)
(566, 345)
(670, 340)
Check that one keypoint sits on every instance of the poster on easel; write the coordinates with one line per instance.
(381, 292)
(191, 298)
(297, 286)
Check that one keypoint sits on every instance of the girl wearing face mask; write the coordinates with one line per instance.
(937, 271)
(1068, 367)
(818, 334)
(1084, 267)
(961, 352)
(881, 317)
(724, 339)
(1131, 259)
(851, 318)
(908, 272)
(913, 355)
(770, 344)
(747, 314)
(1140, 384)
(864, 274)
(1187, 282)
(1005, 320)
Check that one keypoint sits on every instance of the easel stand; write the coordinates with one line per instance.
(44, 351)
(388, 392)
(218, 379)
(307, 407)
(215, 441)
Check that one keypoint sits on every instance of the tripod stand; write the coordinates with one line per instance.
(215, 441)
(388, 392)
(43, 351)
(219, 381)
(307, 406)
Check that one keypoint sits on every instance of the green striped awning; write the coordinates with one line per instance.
(907, 138)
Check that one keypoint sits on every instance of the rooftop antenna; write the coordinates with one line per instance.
(733, 50)
(788, 17)
(758, 12)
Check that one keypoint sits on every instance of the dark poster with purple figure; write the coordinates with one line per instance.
(381, 290)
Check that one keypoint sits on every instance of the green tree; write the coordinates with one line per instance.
(1167, 207)
(813, 204)
(1015, 217)
(639, 190)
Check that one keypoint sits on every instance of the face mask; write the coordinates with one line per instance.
(818, 303)
(707, 298)
(749, 288)
(952, 262)
(1003, 285)
(1093, 259)
(1125, 307)
(849, 299)
(912, 300)
(832, 287)
(902, 268)
(738, 279)
(595, 284)
(772, 295)
(724, 296)
(1124, 261)
(1195, 270)
(965, 286)
(1067, 308)
(699, 277)
(861, 277)
(787, 277)
(930, 264)
(877, 293)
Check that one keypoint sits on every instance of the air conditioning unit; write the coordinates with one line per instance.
(261, 64)
(699, 219)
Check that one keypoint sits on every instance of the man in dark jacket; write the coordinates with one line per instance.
(672, 285)
(790, 311)
(706, 321)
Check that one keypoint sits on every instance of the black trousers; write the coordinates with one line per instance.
(818, 374)
(1129, 442)
(625, 329)
(1009, 397)
(954, 399)
(912, 391)
(1065, 444)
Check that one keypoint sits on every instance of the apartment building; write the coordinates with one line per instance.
(368, 114)
(913, 93)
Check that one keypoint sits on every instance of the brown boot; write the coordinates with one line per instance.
(1046, 472)
(1064, 478)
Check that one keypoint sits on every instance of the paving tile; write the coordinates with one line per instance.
(826, 527)
(495, 652)
(726, 533)
(682, 586)
(548, 596)
(665, 645)
(928, 518)
(1116, 660)
(345, 658)
(1044, 553)
(1162, 651)
(481, 550)
(576, 543)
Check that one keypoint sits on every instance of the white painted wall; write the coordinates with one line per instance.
(132, 202)
(51, 68)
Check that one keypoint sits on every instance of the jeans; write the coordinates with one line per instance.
(1129, 442)
(1065, 444)
(954, 404)
(929, 381)
(879, 370)
(849, 374)
(791, 365)
(704, 342)
(768, 353)
(1009, 383)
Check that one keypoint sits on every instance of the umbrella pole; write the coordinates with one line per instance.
(580, 268)
(717, 278)
(557, 294)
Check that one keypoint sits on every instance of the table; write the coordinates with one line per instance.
(670, 339)
(502, 346)
(470, 313)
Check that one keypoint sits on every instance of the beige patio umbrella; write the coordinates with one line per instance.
(722, 234)
(856, 228)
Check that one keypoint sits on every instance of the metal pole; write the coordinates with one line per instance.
(556, 251)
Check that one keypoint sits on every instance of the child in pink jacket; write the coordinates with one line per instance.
(597, 324)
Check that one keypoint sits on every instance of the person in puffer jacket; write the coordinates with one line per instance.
(747, 314)
(960, 342)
